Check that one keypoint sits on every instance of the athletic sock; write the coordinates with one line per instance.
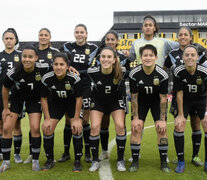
(67, 138)
(36, 144)
(196, 139)
(163, 152)
(104, 135)
(135, 148)
(6, 148)
(94, 145)
(86, 134)
(179, 144)
(121, 142)
(17, 144)
(49, 146)
(78, 146)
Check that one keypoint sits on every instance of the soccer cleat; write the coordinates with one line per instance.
(4, 166)
(120, 165)
(28, 160)
(49, 164)
(65, 157)
(88, 158)
(103, 155)
(35, 165)
(197, 161)
(180, 167)
(164, 167)
(95, 166)
(77, 166)
(175, 161)
(1, 156)
(17, 158)
(134, 166)
(205, 167)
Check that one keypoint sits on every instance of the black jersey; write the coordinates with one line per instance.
(25, 86)
(7, 62)
(148, 87)
(105, 89)
(193, 86)
(46, 55)
(61, 91)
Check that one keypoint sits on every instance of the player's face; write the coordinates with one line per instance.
(110, 40)
(148, 28)
(190, 57)
(184, 37)
(80, 35)
(44, 37)
(29, 58)
(9, 40)
(60, 67)
(148, 58)
(107, 59)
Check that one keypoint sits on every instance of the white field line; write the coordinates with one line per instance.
(105, 169)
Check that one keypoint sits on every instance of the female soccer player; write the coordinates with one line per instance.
(9, 58)
(45, 57)
(24, 82)
(190, 83)
(148, 86)
(65, 96)
(107, 97)
(79, 53)
(173, 60)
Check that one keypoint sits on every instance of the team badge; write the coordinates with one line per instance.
(49, 55)
(87, 51)
(16, 58)
(115, 82)
(38, 76)
(199, 80)
(156, 81)
(92, 105)
(67, 85)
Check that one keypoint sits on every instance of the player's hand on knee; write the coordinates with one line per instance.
(179, 122)
(136, 125)
(76, 126)
(161, 126)
(47, 127)
(6, 112)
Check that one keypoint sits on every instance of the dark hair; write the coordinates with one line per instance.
(82, 25)
(32, 47)
(190, 45)
(12, 30)
(46, 29)
(189, 30)
(61, 55)
(148, 46)
(154, 21)
(116, 67)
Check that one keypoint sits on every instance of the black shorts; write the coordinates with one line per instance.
(58, 110)
(86, 97)
(107, 108)
(143, 109)
(32, 106)
(192, 107)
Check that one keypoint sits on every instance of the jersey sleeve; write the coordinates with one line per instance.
(8, 81)
(44, 91)
(78, 92)
(177, 83)
(133, 85)
(170, 45)
(164, 87)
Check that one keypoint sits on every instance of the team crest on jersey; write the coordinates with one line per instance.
(67, 85)
(87, 51)
(49, 55)
(92, 105)
(199, 80)
(115, 82)
(38, 76)
(156, 81)
(16, 58)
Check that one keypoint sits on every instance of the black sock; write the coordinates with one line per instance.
(104, 135)
(205, 146)
(163, 152)
(6, 148)
(86, 134)
(179, 144)
(36, 144)
(135, 148)
(94, 145)
(121, 142)
(67, 138)
(78, 146)
(17, 144)
(30, 143)
(49, 146)
(196, 139)
(0, 143)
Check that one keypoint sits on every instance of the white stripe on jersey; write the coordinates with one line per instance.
(174, 50)
(135, 70)
(54, 49)
(202, 69)
(75, 76)
(93, 69)
(47, 75)
(178, 69)
(10, 72)
(42, 65)
(123, 69)
(18, 51)
(162, 72)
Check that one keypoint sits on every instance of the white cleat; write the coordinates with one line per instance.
(28, 160)
(95, 166)
(4, 166)
(104, 155)
(35, 165)
(121, 166)
(17, 158)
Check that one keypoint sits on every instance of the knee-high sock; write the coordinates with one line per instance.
(104, 135)
(6, 148)
(78, 146)
(135, 148)
(196, 139)
(17, 144)
(179, 144)
(94, 145)
(121, 142)
(67, 138)
(86, 134)
(163, 152)
(49, 146)
(36, 144)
